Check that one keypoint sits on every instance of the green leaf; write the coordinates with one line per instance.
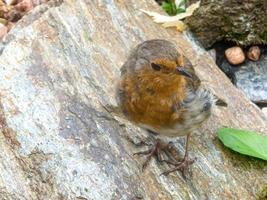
(171, 8)
(166, 6)
(179, 10)
(245, 142)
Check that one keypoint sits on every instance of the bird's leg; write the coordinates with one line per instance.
(171, 153)
(153, 151)
(183, 164)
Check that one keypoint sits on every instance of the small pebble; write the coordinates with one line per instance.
(24, 6)
(235, 55)
(10, 26)
(3, 21)
(254, 53)
(3, 30)
(13, 10)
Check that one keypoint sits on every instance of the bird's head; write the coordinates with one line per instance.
(168, 66)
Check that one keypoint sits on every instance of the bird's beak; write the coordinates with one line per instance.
(183, 72)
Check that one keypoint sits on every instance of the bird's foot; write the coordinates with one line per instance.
(155, 150)
(181, 166)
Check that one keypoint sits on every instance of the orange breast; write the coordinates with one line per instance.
(153, 99)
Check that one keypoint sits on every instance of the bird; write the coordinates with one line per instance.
(159, 91)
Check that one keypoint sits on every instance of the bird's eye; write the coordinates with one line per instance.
(155, 66)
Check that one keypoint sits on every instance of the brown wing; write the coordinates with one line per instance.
(193, 83)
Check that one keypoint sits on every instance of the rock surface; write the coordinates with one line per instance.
(250, 76)
(58, 69)
(243, 22)
(252, 79)
(264, 110)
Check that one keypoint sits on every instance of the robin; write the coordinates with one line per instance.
(159, 91)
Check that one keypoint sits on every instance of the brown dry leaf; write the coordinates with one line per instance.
(180, 26)
(173, 21)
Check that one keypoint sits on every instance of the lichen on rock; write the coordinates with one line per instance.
(241, 21)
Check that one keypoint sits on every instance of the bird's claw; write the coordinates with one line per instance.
(181, 166)
(169, 150)
(153, 151)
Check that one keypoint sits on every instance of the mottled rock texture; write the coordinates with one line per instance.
(58, 70)
(241, 21)
(251, 77)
